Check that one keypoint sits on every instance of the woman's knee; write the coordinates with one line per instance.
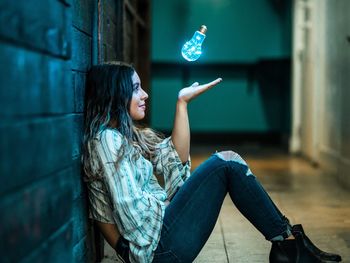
(227, 155)
(235, 158)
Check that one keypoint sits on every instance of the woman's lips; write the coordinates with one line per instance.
(143, 107)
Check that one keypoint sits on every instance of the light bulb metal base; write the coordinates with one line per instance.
(203, 29)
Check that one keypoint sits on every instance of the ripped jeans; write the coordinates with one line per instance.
(192, 213)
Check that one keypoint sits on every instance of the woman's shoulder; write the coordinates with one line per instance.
(109, 132)
(111, 138)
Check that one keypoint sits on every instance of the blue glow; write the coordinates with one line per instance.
(192, 49)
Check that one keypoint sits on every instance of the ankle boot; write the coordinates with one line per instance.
(291, 251)
(304, 255)
(299, 234)
(283, 251)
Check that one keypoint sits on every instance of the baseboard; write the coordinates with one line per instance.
(343, 174)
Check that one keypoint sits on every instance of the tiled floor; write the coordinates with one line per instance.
(302, 192)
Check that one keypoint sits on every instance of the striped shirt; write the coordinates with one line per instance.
(130, 195)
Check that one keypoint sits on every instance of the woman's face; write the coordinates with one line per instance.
(138, 100)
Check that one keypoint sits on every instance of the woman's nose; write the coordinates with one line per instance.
(144, 95)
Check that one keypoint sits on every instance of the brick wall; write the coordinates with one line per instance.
(45, 52)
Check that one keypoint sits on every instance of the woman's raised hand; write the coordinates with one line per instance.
(189, 93)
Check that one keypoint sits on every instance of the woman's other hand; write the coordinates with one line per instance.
(189, 93)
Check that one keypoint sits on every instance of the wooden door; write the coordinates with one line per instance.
(123, 34)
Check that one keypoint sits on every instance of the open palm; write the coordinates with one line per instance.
(189, 93)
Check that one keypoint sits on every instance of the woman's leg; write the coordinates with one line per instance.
(193, 212)
(252, 200)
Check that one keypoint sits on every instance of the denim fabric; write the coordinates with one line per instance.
(192, 213)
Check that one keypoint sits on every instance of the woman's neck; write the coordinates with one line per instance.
(113, 124)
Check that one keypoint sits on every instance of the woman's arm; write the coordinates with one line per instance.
(110, 232)
(181, 130)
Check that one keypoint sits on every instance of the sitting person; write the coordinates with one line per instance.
(124, 163)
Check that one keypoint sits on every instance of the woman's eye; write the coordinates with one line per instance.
(136, 88)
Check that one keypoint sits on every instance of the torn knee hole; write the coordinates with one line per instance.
(227, 155)
(236, 158)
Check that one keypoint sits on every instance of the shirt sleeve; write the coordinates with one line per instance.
(138, 213)
(167, 164)
(100, 206)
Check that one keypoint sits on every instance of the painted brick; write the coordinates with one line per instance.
(83, 251)
(34, 214)
(39, 25)
(36, 148)
(45, 50)
(66, 2)
(32, 83)
(78, 183)
(81, 50)
(82, 15)
(79, 218)
(57, 249)
(79, 81)
(77, 134)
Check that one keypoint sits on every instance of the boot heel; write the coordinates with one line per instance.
(283, 252)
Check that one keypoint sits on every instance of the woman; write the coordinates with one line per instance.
(146, 222)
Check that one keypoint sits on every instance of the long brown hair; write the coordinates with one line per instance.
(108, 94)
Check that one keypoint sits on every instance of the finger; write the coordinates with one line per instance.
(211, 84)
(195, 84)
(214, 82)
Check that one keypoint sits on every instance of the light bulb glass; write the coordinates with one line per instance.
(192, 49)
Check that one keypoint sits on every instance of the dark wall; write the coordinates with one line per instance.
(238, 31)
(248, 44)
(45, 51)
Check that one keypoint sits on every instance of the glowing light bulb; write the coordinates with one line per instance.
(192, 49)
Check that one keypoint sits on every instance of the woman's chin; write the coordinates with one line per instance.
(139, 117)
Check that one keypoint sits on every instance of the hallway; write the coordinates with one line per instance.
(285, 67)
(300, 190)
